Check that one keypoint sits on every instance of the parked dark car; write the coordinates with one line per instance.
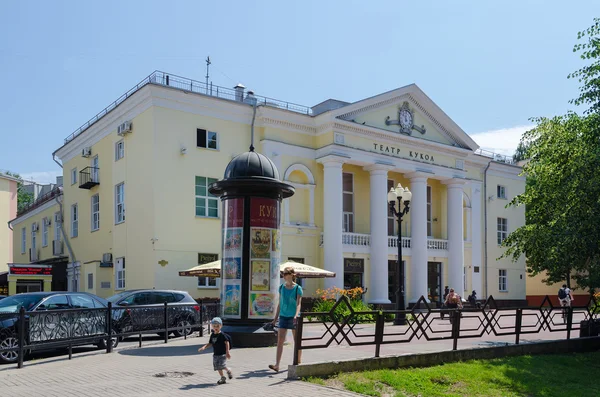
(183, 311)
(45, 322)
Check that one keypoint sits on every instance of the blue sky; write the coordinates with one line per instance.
(489, 65)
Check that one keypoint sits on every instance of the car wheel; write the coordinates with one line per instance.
(9, 342)
(184, 327)
(114, 341)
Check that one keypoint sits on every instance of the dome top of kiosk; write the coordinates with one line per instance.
(251, 164)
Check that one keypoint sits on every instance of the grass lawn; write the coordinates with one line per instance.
(526, 376)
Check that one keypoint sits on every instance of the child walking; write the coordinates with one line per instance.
(220, 343)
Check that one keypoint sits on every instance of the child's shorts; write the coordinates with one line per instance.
(220, 362)
(286, 322)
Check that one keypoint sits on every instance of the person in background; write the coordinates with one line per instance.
(565, 298)
(446, 292)
(288, 309)
(453, 301)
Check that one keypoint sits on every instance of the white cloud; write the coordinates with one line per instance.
(42, 176)
(503, 141)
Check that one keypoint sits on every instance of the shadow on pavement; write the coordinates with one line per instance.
(199, 386)
(50, 356)
(163, 351)
(263, 373)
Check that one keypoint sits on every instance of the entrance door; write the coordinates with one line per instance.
(28, 286)
(392, 286)
(434, 281)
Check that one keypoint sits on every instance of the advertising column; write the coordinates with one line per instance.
(265, 257)
(231, 265)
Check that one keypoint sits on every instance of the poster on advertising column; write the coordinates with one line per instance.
(265, 254)
(231, 264)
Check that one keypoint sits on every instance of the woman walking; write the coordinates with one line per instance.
(288, 309)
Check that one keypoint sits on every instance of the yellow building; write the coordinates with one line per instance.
(137, 211)
(39, 263)
(8, 210)
(537, 290)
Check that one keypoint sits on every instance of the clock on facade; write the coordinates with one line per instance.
(405, 121)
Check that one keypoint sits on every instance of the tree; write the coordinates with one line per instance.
(561, 235)
(589, 76)
(521, 152)
(24, 198)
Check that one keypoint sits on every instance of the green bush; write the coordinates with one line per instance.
(342, 311)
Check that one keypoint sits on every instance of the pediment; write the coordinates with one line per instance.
(407, 111)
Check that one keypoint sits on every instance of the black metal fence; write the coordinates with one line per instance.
(24, 332)
(343, 325)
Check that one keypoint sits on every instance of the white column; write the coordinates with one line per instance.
(456, 252)
(378, 287)
(477, 233)
(418, 231)
(333, 218)
(311, 192)
(468, 223)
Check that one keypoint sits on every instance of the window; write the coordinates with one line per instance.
(23, 240)
(501, 192)
(391, 221)
(207, 282)
(57, 221)
(429, 217)
(54, 303)
(45, 232)
(74, 221)
(95, 171)
(206, 204)
(348, 202)
(162, 298)
(502, 230)
(33, 236)
(80, 301)
(207, 139)
(119, 150)
(73, 176)
(95, 212)
(90, 281)
(120, 203)
(502, 280)
(120, 273)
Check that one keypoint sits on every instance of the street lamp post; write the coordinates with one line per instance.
(401, 195)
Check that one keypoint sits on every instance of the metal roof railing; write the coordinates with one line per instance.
(189, 85)
(497, 157)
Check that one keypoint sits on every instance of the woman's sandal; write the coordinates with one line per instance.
(274, 368)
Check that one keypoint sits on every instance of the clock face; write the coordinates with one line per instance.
(405, 118)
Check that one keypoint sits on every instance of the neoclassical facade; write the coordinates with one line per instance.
(153, 156)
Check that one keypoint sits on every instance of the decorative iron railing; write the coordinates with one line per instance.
(343, 325)
(23, 332)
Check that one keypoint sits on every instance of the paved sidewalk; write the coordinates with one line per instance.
(132, 371)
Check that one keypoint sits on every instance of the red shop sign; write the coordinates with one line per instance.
(30, 271)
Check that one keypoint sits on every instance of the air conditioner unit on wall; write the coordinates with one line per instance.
(107, 258)
(86, 152)
(124, 128)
